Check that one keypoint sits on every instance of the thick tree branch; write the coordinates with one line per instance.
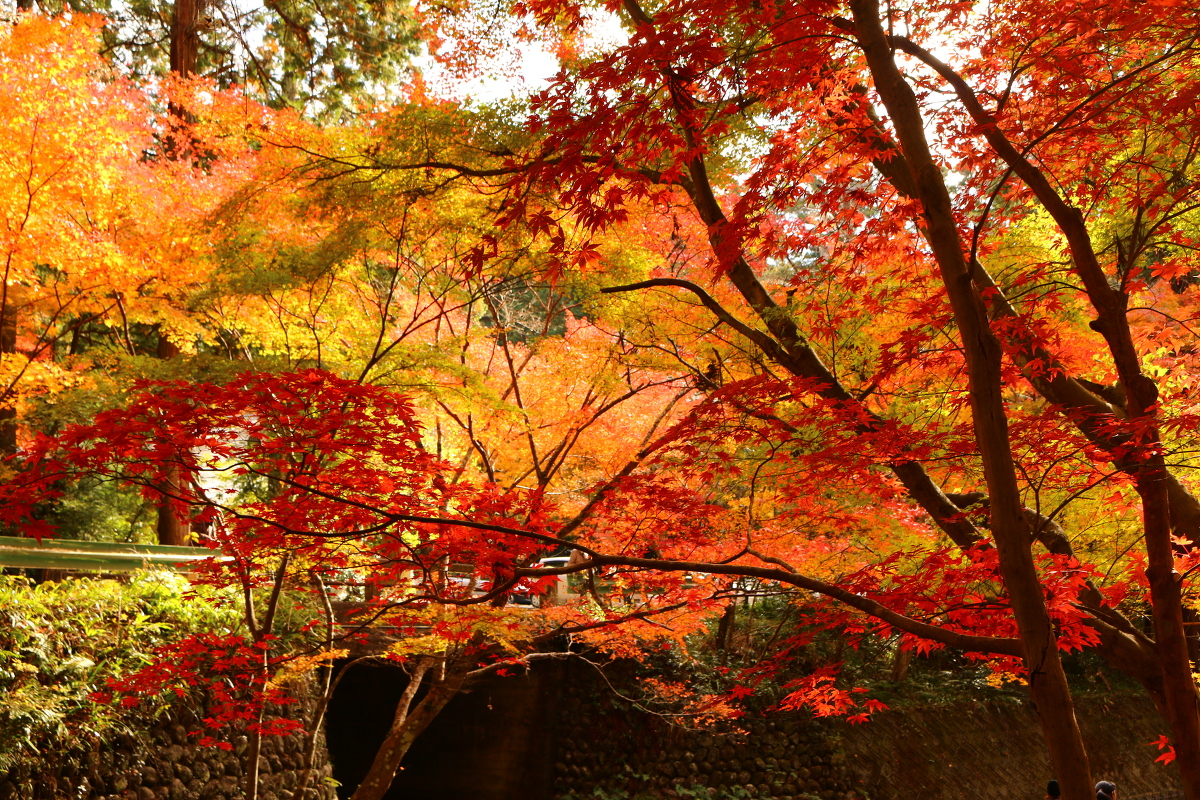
(963, 641)
(984, 362)
(800, 360)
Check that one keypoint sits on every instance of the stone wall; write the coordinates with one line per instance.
(607, 745)
(783, 759)
(978, 750)
(560, 732)
(165, 763)
(945, 753)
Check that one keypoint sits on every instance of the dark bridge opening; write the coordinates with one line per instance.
(492, 743)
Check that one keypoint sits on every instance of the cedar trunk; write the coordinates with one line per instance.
(172, 529)
(8, 397)
(185, 38)
(185, 51)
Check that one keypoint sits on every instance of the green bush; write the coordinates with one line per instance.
(61, 641)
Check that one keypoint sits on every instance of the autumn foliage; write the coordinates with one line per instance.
(886, 307)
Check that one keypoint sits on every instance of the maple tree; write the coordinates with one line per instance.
(98, 247)
(66, 217)
(303, 477)
(897, 302)
(811, 141)
(386, 293)
(380, 276)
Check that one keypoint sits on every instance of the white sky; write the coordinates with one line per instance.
(536, 65)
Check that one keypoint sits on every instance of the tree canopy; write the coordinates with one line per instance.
(890, 306)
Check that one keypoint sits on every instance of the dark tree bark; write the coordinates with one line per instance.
(8, 400)
(172, 528)
(406, 726)
(1167, 506)
(1010, 529)
(185, 37)
(900, 663)
(185, 50)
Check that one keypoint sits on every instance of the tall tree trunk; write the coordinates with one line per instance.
(185, 48)
(172, 529)
(725, 630)
(1011, 530)
(185, 37)
(185, 51)
(1179, 687)
(900, 662)
(8, 398)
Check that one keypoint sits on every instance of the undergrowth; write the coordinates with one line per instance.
(61, 641)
